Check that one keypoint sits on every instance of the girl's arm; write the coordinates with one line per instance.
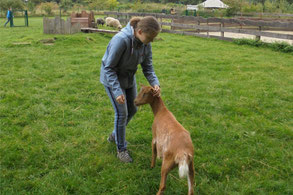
(115, 50)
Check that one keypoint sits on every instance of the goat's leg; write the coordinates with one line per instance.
(167, 165)
(191, 178)
(154, 153)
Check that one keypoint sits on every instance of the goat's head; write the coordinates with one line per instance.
(145, 96)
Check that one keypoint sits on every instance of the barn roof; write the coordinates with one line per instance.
(208, 4)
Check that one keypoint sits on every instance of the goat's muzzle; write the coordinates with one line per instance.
(136, 103)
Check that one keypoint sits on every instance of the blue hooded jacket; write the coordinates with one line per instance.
(120, 61)
(8, 14)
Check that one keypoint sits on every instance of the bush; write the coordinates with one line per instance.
(282, 46)
(251, 8)
(47, 7)
(124, 6)
(97, 5)
(270, 7)
(206, 13)
(231, 11)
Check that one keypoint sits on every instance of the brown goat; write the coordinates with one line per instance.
(171, 141)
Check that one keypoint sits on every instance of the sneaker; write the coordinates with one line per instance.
(111, 138)
(124, 156)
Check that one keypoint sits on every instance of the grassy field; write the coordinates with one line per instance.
(55, 116)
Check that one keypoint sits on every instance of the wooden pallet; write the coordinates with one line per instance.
(95, 30)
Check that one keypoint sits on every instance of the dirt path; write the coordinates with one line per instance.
(264, 39)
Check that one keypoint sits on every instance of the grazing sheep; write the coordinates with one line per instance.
(108, 19)
(112, 22)
(100, 21)
(170, 140)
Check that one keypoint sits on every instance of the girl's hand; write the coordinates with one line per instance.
(157, 91)
(120, 99)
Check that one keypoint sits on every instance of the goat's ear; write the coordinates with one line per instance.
(141, 85)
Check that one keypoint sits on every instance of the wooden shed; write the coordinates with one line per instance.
(85, 19)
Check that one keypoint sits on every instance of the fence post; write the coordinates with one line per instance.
(208, 31)
(222, 26)
(257, 37)
(198, 23)
(25, 18)
(45, 28)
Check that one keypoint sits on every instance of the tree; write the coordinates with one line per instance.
(15, 4)
(47, 7)
(111, 4)
(36, 2)
(31, 5)
(284, 6)
(79, 1)
(137, 5)
(234, 7)
(270, 6)
(97, 4)
(65, 5)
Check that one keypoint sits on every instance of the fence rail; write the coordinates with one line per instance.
(191, 25)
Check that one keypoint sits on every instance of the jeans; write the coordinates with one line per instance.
(123, 114)
(8, 20)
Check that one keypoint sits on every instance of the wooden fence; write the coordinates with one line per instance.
(59, 26)
(204, 27)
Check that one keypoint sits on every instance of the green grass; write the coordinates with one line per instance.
(235, 100)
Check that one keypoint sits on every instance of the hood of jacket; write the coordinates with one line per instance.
(129, 32)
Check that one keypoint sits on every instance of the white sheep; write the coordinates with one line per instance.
(112, 22)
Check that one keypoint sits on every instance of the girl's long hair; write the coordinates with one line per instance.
(148, 24)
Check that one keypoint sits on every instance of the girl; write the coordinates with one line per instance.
(8, 16)
(128, 48)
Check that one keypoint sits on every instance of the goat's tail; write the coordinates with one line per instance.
(183, 160)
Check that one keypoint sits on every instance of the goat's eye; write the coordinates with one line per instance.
(143, 95)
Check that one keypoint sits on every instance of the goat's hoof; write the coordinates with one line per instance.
(160, 193)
